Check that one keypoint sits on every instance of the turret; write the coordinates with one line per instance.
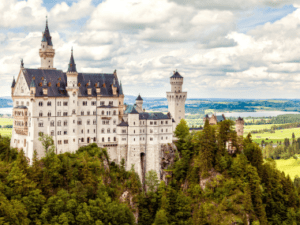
(46, 52)
(239, 126)
(32, 87)
(139, 103)
(176, 98)
(13, 86)
(72, 75)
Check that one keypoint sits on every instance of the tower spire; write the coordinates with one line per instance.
(72, 65)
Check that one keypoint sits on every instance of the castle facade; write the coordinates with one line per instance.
(77, 109)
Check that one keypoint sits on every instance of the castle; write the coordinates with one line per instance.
(81, 108)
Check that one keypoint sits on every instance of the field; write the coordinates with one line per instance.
(6, 131)
(289, 166)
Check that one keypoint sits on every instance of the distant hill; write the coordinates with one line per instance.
(6, 102)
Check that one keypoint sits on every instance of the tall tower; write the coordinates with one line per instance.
(176, 98)
(239, 126)
(46, 51)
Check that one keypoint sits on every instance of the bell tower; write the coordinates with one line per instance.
(176, 98)
(46, 51)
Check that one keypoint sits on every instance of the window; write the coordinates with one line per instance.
(94, 130)
(111, 103)
(82, 113)
(93, 103)
(162, 130)
(151, 139)
(65, 132)
(17, 103)
(73, 111)
(48, 103)
(166, 130)
(106, 122)
(88, 122)
(82, 139)
(151, 131)
(108, 139)
(65, 103)
(162, 138)
(102, 103)
(74, 121)
(88, 131)
(102, 139)
(58, 103)
(102, 113)
(114, 130)
(166, 122)
(52, 133)
(88, 113)
(59, 113)
(84, 103)
(65, 113)
(73, 130)
(133, 123)
(95, 139)
(134, 131)
(59, 123)
(59, 142)
(49, 114)
(41, 124)
(115, 112)
(102, 131)
(154, 123)
(166, 138)
(79, 122)
(103, 122)
(123, 139)
(94, 122)
(65, 123)
(52, 124)
(82, 131)
(133, 139)
(115, 122)
(41, 114)
(123, 131)
(108, 130)
(94, 112)
(58, 132)
(40, 103)
(162, 122)
(151, 123)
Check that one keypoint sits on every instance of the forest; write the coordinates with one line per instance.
(207, 185)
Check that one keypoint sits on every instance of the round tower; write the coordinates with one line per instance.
(239, 126)
(176, 98)
(46, 51)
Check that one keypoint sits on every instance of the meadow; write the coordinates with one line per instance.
(6, 131)
(289, 166)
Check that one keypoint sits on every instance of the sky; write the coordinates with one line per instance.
(223, 49)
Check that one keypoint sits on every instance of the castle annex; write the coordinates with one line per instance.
(77, 109)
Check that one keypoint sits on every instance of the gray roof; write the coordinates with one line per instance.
(128, 109)
(133, 111)
(123, 124)
(83, 78)
(121, 89)
(176, 75)
(153, 116)
(220, 118)
(46, 35)
(13, 83)
(139, 98)
(72, 65)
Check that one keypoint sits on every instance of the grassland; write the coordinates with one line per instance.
(6, 131)
(289, 166)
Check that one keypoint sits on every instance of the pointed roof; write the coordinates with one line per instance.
(139, 98)
(22, 63)
(46, 34)
(176, 75)
(120, 89)
(13, 83)
(133, 111)
(72, 65)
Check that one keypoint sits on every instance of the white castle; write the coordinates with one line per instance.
(77, 109)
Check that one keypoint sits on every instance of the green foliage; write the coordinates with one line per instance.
(151, 180)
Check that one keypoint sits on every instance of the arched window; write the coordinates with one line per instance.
(52, 132)
(94, 122)
(52, 123)
(59, 123)
(114, 130)
(102, 113)
(40, 114)
(48, 103)
(88, 131)
(151, 131)
(82, 139)
(108, 139)
(115, 139)
(65, 123)
(102, 131)
(82, 113)
(102, 139)
(88, 112)
(88, 122)
(79, 122)
(108, 130)
(49, 114)
(115, 112)
(82, 131)
(40, 103)
(73, 111)
(94, 112)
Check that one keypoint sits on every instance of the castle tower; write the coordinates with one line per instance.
(176, 98)
(239, 126)
(46, 51)
(72, 89)
(139, 104)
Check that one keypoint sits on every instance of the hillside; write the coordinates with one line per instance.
(205, 185)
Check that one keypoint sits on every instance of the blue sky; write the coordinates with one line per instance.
(232, 49)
